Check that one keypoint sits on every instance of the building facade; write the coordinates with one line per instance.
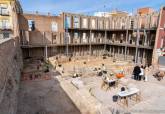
(8, 18)
(159, 48)
(122, 37)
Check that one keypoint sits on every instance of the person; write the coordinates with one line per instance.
(136, 72)
(146, 73)
(55, 64)
(103, 67)
(141, 73)
(99, 73)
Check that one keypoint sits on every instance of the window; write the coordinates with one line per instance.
(0, 24)
(76, 22)
(31, 25)
(54, 27)
(76, 35)
(92, 35)
(84, 23)
(93, 24)
(54, 39)
(4, 24)
(4, 9)
(113, 24)
(154, 21)
(107, 24)
(100, 24)
(132, 24)
(67, 22)
(84, 38)
(123, 24)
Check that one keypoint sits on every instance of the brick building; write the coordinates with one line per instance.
(122, 37)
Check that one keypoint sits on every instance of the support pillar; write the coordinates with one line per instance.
(125, 52)
(128, 53)
(122, 51)
(113, 51)
(46, 52)
(105, 40)
(110, 50)
(137, 44)
(29, 55)
(144, 54)
(90, 46)
(145, 40)
(118, 51)
(66, 41)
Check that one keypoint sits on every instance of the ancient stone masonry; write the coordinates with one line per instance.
(10, 70)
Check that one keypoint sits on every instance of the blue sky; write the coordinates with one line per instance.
(87, 6)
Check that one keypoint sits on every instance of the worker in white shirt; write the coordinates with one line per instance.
(141, 73)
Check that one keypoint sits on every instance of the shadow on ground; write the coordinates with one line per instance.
(44, 97)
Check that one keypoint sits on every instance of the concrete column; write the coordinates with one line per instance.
(46, 52)
(145, 40)
(129, 38)
(44, 40)
(23, 38)
(90, 46)
(125, 51)
(110, 49)
(29, 53)
(105, 40)
(122, 51)
(138, 56)
(67, 45)
(113, 51)
(118, 51)
(144, 54)
(52, 38)
(137, 44)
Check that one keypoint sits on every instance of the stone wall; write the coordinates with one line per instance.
(10, 70)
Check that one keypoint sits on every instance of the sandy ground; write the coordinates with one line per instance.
(152, 92)
(44, 97)
(48, 97)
